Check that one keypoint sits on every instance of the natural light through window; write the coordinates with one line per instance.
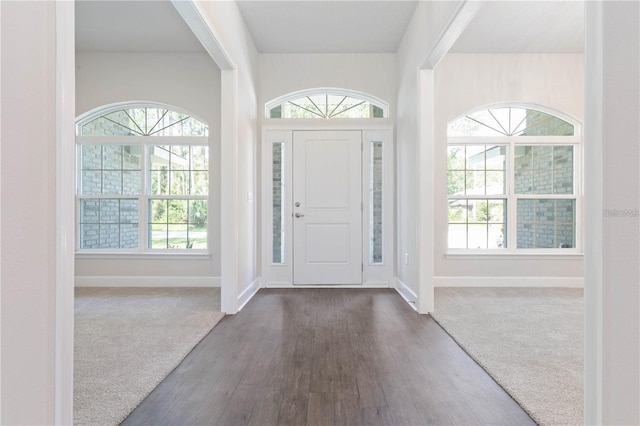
(143, 180)
(327, 104)
(518, 192)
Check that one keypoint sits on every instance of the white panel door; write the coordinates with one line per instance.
(327, 209)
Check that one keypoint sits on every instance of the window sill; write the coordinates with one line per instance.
(143, 255)
(528, 255)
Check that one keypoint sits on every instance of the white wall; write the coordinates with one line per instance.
(280, 74)
(427, 23)
(28, 202)
(467, 81)
(189, 81)
(620, 285)
(234, 39)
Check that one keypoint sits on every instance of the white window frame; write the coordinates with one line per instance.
(511, 197)
(325, 91)
(145, 142)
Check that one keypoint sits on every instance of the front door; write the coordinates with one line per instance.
(327, 210)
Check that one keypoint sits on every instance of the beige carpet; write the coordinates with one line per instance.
(128, 339)
(530, 340)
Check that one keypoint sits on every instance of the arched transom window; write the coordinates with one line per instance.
(513, 180)
(142, 180)
(327, 103)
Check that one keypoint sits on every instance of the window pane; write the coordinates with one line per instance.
(509, 121)
(495, 183)
(199, 183)
(475, 182)
(178, 224)
(131, 182)
(179, 169)
(477, 223)
(326, 105)
(91, 182)
(111, 182)
(455, 182)
(158, 238)
(375, 197)
(544, 169)
(478, 211)
(476, 169)
(91, 157)
(144, 121)
(457, 236)
(178, 237)
(110, 169)
(109, 211)
(457, 211)
(108, 223)
(496, 238)
(477, 238)
(455, 157)
(197, 237)
(277, 194)
(546, 223)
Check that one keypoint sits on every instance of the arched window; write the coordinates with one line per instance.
(513, 180)
(142, 179)
(327, 103)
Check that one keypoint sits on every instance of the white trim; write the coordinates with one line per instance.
(331, 91)
(248, 293)
(575, 122)
(425, 167)
(146, 281)
(569, 282)
(281, 275)
(146, 140)
(56, 366)
(287, 284)
(64, 212)
(496, 254)
(101, 110)
(593, 210)
(229, 191)
(144, 255)
(460, 18)
(407, 294)
(197, 20)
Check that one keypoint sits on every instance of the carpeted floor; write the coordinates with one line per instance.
(530, 340)
(128, 339)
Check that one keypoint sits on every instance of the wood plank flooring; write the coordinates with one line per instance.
(328, 357)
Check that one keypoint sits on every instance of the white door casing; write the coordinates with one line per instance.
(327, 210)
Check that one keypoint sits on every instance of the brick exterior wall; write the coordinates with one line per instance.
(109, 169)
(545, 223)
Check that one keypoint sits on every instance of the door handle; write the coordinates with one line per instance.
(299, 215)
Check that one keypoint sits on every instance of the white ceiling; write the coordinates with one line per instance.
(372, 26)
(331, 26)
(524, 27)
(132, 26)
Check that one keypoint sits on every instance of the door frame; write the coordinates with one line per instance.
(280, 275)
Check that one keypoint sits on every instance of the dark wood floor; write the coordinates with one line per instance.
(325, 356)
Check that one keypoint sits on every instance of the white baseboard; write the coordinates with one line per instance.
(148, 281)
(407, 294)
(287, 284)
(571, 282)
(248, 293)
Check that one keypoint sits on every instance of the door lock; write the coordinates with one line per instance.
(297, 204)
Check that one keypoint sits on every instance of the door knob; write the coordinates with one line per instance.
(299, 215)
